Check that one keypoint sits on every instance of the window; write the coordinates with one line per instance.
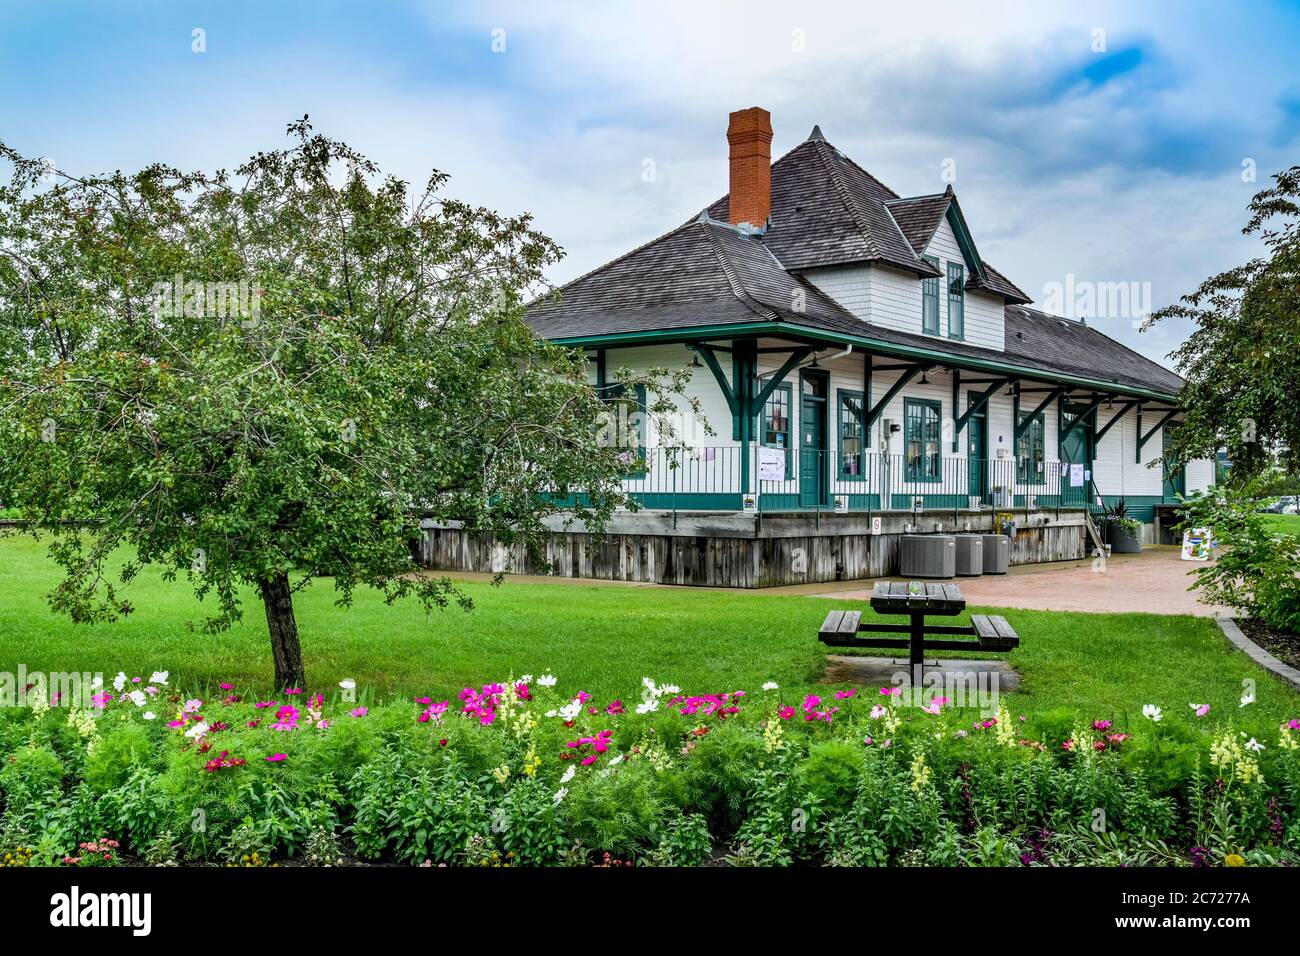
(629, 422)
(1031, 468)
(930, 301)
(775, 429)
(852, 435)
(956, 300)
(921, 433)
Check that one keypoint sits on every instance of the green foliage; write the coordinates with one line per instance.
(1242, 359)
(685, 841)
(116, 754)
(831, 773)
(1255, 567)
(264, 377)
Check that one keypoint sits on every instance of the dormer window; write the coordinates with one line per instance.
(956, 300)
(930, 300)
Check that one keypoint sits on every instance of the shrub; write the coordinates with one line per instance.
(1255, 567)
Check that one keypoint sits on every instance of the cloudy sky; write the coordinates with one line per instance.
(1096, 143)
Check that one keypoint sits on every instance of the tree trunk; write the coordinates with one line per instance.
(284, 632)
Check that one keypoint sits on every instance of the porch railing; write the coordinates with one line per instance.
(714, 479)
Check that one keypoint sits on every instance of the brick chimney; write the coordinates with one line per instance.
(749, 134)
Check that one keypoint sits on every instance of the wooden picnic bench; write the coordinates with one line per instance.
(917, 600)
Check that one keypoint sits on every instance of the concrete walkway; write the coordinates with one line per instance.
(1155, 581)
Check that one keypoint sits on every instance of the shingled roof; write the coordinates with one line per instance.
(702, 273)
(826, 210)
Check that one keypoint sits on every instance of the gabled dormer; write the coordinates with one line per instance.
(965, 300)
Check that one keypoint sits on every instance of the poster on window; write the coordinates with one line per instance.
(771, 464)
(1076, 476)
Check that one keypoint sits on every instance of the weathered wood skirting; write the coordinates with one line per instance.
(717, 551)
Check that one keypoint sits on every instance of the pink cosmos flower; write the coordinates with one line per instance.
(293, 691)
(224, 685)
(266, 703)
(615, 707)
(286, 718)
(845, 694)
(1101, 725)
(433, 712)
(359, 711)
(786, 713)
(522, 692)
(191, 706)
(274, 758)
(101, 700)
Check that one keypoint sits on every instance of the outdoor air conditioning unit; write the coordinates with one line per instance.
(927, 556)
(970, 555)
(997, 553)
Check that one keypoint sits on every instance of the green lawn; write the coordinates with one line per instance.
(1286, 523)
(604, 638)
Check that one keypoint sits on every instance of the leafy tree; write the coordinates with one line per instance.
(1242, 360)
(257, 378)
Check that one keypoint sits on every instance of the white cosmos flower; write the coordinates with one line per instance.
(149, 715)
(526, 679)
(771, 685)
(119, 681)
(1254, 745)
(546, 680)
(136, 697)
(646, 706)
(159, 677)
(569, 774)
(614, 761)
(1151, 712)
(97, 683)
(571, 710)
(560, 794)
(670, 689)
(197, 731)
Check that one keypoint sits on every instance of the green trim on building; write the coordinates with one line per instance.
(956, 300)
(790, 329)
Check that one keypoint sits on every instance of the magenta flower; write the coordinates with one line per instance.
(261, 704)
(274, 758)
(615, 707)
(286, 718)
(785, 713)
(360, 711)
(844, 694)
(293, 691)
(227, 686)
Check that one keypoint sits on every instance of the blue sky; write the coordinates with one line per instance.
(1092, 143)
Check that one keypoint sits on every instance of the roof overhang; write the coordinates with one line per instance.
(881, 346)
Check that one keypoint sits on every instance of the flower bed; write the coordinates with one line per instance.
(523, 772)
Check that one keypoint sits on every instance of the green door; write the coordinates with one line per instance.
(1076, 448)
(976, 454)
(1176, 483)
(812, 439)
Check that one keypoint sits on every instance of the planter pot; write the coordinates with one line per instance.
(1121, 542)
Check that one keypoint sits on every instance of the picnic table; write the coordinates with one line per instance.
(918, 600)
